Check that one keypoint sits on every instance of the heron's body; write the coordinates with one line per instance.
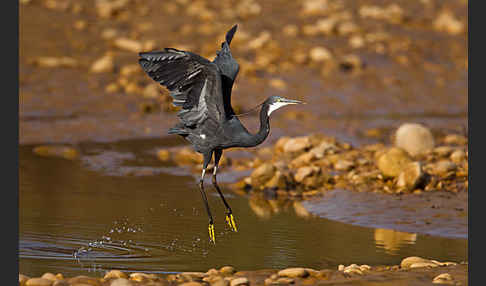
(203, 90)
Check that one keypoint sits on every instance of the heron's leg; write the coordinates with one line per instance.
(229, 214)
(207, 158)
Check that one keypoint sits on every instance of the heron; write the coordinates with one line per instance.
(202, 89)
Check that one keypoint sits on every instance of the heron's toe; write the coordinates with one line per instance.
(231, 222)
(211, 233)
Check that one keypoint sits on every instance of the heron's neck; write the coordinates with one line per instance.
(264, 130)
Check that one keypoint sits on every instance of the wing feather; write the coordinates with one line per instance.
(193, 82)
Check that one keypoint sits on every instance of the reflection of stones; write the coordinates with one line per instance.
(392, 240)
(265, 208)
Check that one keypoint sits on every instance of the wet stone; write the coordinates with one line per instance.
(458, 156)
(49, 276)
(441, 167)
(444, 278)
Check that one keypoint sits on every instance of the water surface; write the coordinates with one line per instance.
(118, 207)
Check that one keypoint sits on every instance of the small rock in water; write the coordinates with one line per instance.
(415, 261)
(293, 272)
(414, 138)
(444, 278)
(65, 152)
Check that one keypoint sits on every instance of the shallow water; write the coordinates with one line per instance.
(118, 207)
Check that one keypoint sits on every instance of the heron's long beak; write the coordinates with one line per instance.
(292, 101)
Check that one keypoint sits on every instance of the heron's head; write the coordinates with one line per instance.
(275, 102)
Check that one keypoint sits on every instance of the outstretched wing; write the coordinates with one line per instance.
(228, 67)
(193, 82)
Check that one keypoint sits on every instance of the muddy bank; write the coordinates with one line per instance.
(359, 65)
(411, 271)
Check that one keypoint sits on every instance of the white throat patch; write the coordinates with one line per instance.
(275, 106)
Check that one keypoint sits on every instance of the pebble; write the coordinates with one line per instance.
(320, 54)
(458, 156)
(121, 282)
(416, 262)
(414, 138)
(49, 276)
(109, 8)
(38, 282)
(103, 65)
(304, 172)
(82, 279)
(227, 270)
(240, 281)
(411, 176)
(65, 152)
(129, 45)
(55, 62)
(262, 174)
(297, 145)
(293, 272)
(23, 279)
(151, 91)
(343, 165)
(447, 22)
(443, 151)
(393, 161)
(444, 278)
(455, 139)
(441, 167)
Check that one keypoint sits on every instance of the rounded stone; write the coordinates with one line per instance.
(411, 176)
(393, 161)
(293, 272)
(414, 138)
(240, 281)
(407, 262)
(444, 278)
(115, 274)
(262, 174)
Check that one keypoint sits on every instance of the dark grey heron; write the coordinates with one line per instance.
(207, 120)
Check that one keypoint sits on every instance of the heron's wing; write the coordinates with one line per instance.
(193, 82)
(228, 68)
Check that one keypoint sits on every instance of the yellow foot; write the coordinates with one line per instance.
(211, 233)
(231, 222)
